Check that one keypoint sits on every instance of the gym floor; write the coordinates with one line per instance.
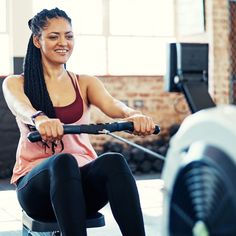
(150, 190)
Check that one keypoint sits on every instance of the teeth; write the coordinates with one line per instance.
(61, 51)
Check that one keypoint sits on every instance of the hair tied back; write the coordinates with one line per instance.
(30, 23)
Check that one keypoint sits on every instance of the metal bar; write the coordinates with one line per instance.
(156, 155)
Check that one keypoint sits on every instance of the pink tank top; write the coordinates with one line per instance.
(29, 154)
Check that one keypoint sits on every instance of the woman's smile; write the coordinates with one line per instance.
(62, 51)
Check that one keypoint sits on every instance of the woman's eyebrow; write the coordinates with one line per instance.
(67, 32)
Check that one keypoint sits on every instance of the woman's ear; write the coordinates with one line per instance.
(36, 41)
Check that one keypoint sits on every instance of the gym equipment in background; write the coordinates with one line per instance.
(199, 176)
(187, 72)
(9, 136)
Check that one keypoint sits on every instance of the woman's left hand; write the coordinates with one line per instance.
(143, 125)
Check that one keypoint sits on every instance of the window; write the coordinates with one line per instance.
(141, 17)
(86, 15)
(5, 61)
(118, 37)
(3, 14)
(136, 55)
(190, 17)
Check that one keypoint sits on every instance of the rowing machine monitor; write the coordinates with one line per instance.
(187, 72)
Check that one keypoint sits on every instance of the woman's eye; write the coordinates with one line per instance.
(53, 37)
(69, 36)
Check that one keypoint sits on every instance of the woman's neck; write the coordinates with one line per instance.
(54, 72)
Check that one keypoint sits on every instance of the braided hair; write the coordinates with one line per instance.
(34, 83)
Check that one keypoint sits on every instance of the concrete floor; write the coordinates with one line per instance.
(151, 201)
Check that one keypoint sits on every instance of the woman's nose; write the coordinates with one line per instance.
(62, 41)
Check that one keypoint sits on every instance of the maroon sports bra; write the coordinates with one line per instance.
(74, 111)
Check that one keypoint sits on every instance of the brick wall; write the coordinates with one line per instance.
(165, 108)
(232, 49)
(220, 51)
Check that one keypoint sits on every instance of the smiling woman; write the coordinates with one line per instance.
(69, 179)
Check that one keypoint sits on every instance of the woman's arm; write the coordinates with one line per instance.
(16, 99)
(21, 107)
(100, 97)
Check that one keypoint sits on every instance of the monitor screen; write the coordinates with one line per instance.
(185, 58)
(192, 57)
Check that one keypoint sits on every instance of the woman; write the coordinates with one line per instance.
(61, 176)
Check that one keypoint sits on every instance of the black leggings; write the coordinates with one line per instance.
(57, 187)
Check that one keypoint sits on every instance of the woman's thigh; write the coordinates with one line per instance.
(95, 177)
(34, 190)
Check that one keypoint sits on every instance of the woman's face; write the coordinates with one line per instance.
(56, 41)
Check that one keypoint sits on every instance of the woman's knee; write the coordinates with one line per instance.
(64, 163)
(114, 162)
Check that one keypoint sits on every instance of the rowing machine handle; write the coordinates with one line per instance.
(34, 136)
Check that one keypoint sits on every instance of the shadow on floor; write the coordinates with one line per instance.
(5, 185)
(11, 233)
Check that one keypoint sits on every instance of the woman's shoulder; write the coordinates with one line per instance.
(15, 77)
(85, 79)
(14, 80)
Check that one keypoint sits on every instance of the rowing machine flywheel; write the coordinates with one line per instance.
(199, 176)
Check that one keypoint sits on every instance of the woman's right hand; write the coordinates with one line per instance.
(50, 129)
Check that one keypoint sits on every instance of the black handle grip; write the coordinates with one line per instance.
(34, 136)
